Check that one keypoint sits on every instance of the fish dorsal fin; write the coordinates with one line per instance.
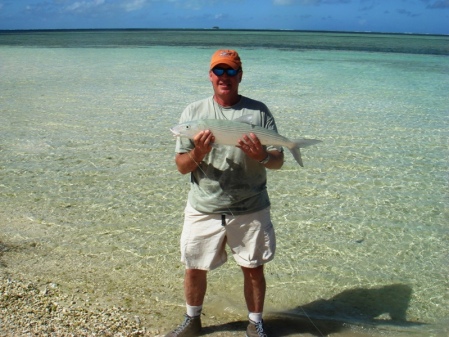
(247, 119)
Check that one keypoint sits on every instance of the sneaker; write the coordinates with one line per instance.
(255, 329)
(189, 328)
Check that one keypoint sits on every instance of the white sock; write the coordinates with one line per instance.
(256, 317)
(194, 311)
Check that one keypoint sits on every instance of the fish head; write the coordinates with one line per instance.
(188, 129)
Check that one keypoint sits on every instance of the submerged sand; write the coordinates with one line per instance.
(91, 203)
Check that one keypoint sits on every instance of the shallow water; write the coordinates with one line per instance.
(91, 199)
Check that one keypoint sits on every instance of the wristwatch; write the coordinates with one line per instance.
(266, 160)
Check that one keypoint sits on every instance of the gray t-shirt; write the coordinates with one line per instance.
(227, 181)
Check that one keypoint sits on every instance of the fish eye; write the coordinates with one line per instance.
(187, 126)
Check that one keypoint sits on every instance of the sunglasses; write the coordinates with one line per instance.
(230, 72)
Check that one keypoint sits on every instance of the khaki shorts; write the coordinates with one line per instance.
(204, 237)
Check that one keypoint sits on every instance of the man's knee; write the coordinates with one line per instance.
(195, 273)
(253, 273)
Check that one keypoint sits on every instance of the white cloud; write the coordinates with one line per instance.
(283, 2)
(440, 4)
(196, 4)
(200, 4)
(82, 6)
(221, 16)
(133, 5)
(309, 2)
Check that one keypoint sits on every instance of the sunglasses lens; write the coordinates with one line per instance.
(220, 71)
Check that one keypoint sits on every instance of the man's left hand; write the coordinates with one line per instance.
(252, 147)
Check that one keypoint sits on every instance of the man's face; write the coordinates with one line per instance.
(225, 85)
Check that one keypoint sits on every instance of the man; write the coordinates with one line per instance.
(228, 202)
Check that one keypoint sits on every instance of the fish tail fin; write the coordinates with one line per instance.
(301, 143)
(296, 154)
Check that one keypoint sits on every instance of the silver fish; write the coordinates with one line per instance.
(228, 132)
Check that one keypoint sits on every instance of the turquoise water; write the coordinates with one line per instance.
(90, 197)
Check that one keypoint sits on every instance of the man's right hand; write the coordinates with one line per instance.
(189, 161)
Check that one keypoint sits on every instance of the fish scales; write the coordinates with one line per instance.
(226, 133)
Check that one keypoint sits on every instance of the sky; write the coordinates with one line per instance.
(386, 16)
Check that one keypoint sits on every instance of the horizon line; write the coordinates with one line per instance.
(220, 29)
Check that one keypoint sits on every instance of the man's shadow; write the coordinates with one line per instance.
(386, 305)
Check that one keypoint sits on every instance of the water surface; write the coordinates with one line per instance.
(91, 198)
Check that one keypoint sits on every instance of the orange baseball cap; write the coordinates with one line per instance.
(226, 56)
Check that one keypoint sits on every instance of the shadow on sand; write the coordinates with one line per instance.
(375, 306)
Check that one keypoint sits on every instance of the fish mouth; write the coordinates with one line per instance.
(175, 133)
